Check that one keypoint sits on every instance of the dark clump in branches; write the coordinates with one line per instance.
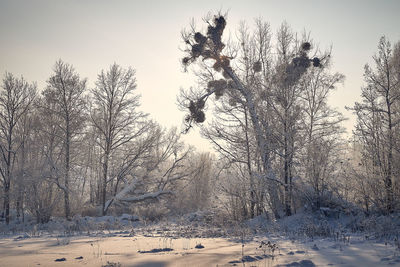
(316, 62)
(218, 87)
(306, 46)
(196, 111)
(206, 46)
(300, 64)
(200, 38)
(214, 33)
(209, 46)
(257, 67)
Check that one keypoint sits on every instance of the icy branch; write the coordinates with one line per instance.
(147, 196)
(120, 195)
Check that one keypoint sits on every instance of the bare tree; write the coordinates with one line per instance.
(157, 162)
(24, 128)
(66, 89)
(115, 116)
(249, 86)
(377, 118)
(45, 158)
(321, 142)
(16, 97)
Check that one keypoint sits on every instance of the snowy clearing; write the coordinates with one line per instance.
(123, 249)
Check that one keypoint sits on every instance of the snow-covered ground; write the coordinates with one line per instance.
(147, 247)
(298, 240)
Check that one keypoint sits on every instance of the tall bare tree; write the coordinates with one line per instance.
(250, 81)
(66, 89)
(114, 114)
(377, 118)
(16, 97)
(321, 133)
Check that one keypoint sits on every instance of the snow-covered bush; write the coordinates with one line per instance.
(152, 212)
(387, 227)
(304, 224)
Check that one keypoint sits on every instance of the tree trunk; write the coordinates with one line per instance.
(388, 178)
(66, 178)
(252, 187)
(7, 186)
(288, 211)
(259, 132)
(21, 182)
(104, 185)
(66, 203)
(7, 202)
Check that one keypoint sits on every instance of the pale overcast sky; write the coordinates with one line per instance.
(91, 35)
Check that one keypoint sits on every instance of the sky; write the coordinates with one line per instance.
(146, 35)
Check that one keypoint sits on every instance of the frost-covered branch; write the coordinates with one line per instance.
(146, 196)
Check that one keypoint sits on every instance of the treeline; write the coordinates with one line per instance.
(74, 150)
(281, 145)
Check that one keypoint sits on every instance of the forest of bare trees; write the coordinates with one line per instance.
(75, 149)
(281, 145)
(69, 150)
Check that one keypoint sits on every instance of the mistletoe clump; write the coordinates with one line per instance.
(214, 33)
(218, 87)
(196, 111)
(207, 46)
(316, 62)
(300, 64)
(306, 46)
